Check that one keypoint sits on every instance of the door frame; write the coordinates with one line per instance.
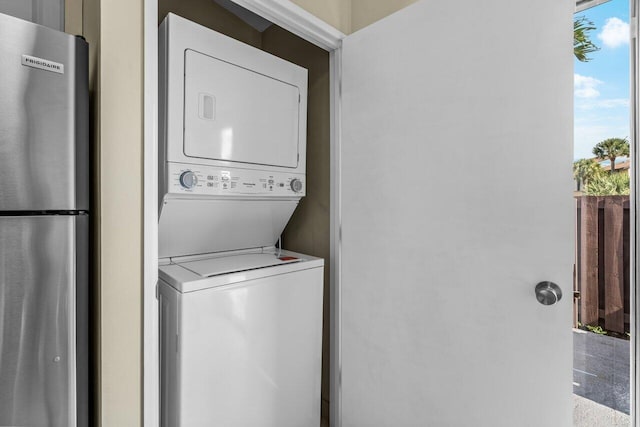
(150, 313)
(587, 4)
(634, 74)
(634, 196)
(307, 26)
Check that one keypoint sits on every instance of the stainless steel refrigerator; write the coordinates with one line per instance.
(44, 226)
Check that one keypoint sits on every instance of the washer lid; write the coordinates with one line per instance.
(236, 263)
(231, 269)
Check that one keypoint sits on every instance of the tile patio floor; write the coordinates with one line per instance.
(600, 380)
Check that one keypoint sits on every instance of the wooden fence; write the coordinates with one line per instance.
(601, 285)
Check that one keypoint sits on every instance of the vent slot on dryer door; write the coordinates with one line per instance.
(235, 114)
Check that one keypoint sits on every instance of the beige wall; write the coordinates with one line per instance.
(365, 12)
(351, 15)
(336, 13)
(121, 179)
(209, 14)
(113, 29)
(73, 17)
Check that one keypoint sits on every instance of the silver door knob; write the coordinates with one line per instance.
(548, 293)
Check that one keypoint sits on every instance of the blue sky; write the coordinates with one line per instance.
(601, 86)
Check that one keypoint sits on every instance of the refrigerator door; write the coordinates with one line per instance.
(40, 276)
(43, 118)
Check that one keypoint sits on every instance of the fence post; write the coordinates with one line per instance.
(576, 263)
(613, 264)
(589, 303)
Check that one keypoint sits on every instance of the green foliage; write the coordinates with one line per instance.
(615, 184)
(610, 149)
(582, 44)
(585, 170)
(596, 330)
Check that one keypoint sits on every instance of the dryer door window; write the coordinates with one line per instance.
(238, 115)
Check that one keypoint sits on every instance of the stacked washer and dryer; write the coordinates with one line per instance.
(241, 320)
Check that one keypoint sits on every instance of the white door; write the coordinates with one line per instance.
(456, 199)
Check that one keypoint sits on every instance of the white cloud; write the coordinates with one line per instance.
(613, 103)
(614, 33)
(595, 126)
(585, 87)
(590, 104)
(586, 136)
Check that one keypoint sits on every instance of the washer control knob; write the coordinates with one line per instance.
(188, 179)
(296, 185)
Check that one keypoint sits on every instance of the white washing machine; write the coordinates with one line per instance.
(241, 340)
(241, 321)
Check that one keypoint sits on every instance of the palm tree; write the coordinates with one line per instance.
(585, 170)
(610, 149)
(582, 44)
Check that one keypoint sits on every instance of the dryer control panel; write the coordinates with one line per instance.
(218, 181)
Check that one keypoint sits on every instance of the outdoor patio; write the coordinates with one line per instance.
(600, 380)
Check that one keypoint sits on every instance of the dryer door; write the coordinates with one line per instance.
(235, 114)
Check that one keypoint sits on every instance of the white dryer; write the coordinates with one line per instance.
(232, 141)
(241, 340)
(241, 321)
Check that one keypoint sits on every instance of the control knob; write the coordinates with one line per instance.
(188, 179)
(296, 185)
